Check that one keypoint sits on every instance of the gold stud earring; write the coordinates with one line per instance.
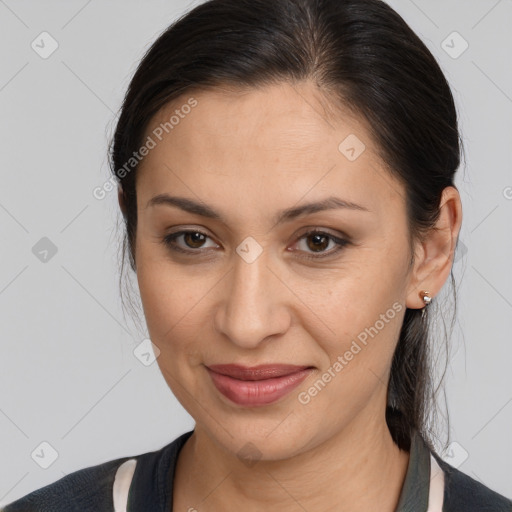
(427, 299)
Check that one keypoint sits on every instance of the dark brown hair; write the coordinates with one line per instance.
(365, 57)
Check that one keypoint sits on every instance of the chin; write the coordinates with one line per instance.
(264, 440)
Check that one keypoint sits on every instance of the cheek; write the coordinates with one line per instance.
(363, 333)
(359, 354)
(169, 304)
(177, 308)
(164, 293)
(359, 310)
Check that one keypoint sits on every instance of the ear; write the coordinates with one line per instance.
(434, 254)
(120, 199)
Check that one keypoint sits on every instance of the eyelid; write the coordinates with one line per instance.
(169, 238)
(322, 230)
(340, 240)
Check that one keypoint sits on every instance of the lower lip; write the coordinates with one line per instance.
(251, 393)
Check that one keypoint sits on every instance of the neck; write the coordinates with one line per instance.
(359, 468)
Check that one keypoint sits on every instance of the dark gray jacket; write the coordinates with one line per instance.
(91, 489)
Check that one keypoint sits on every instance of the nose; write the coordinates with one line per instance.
(253, 307)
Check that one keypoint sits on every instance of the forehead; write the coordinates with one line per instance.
(283, 135)
(265, 116)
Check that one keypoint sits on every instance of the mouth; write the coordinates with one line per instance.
(257, 385)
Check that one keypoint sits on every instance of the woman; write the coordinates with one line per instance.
(286, 176)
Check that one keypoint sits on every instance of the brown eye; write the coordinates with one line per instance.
(317, 242)
(194, 239)
(189, 241)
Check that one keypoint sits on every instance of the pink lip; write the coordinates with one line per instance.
(257, 385)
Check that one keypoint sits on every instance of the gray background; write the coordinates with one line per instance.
(68, 374)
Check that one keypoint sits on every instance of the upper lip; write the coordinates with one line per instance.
(260, 372)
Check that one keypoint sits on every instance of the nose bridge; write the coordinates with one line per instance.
(250, 310)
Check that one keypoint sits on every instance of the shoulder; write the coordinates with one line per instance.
(86, 489)
(465, 494)
(91, 488)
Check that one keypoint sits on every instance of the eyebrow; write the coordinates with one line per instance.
(198, 208)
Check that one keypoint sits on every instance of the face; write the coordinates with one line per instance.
(250, 276)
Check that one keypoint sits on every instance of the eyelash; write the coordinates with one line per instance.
(170, 242)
